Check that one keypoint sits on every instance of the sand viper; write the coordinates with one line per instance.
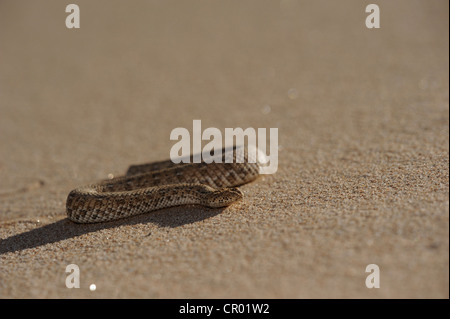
(164, 184)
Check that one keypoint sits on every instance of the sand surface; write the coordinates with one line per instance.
(363, 173)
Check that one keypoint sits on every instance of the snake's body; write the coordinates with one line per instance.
(150, 187)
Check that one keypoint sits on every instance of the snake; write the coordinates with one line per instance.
(153, 186)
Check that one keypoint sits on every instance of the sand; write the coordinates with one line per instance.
(363, 122)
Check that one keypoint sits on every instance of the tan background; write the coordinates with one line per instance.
(363, 160)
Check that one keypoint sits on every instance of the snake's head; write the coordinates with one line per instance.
(223, 197)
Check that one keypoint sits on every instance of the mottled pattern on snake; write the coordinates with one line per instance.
(158, 185)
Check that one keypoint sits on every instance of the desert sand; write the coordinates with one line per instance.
(363, 122)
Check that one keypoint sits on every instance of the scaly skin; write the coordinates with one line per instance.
(150, 187)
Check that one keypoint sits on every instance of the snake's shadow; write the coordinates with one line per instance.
(66, 229)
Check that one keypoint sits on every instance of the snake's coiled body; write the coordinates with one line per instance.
(164, 184)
